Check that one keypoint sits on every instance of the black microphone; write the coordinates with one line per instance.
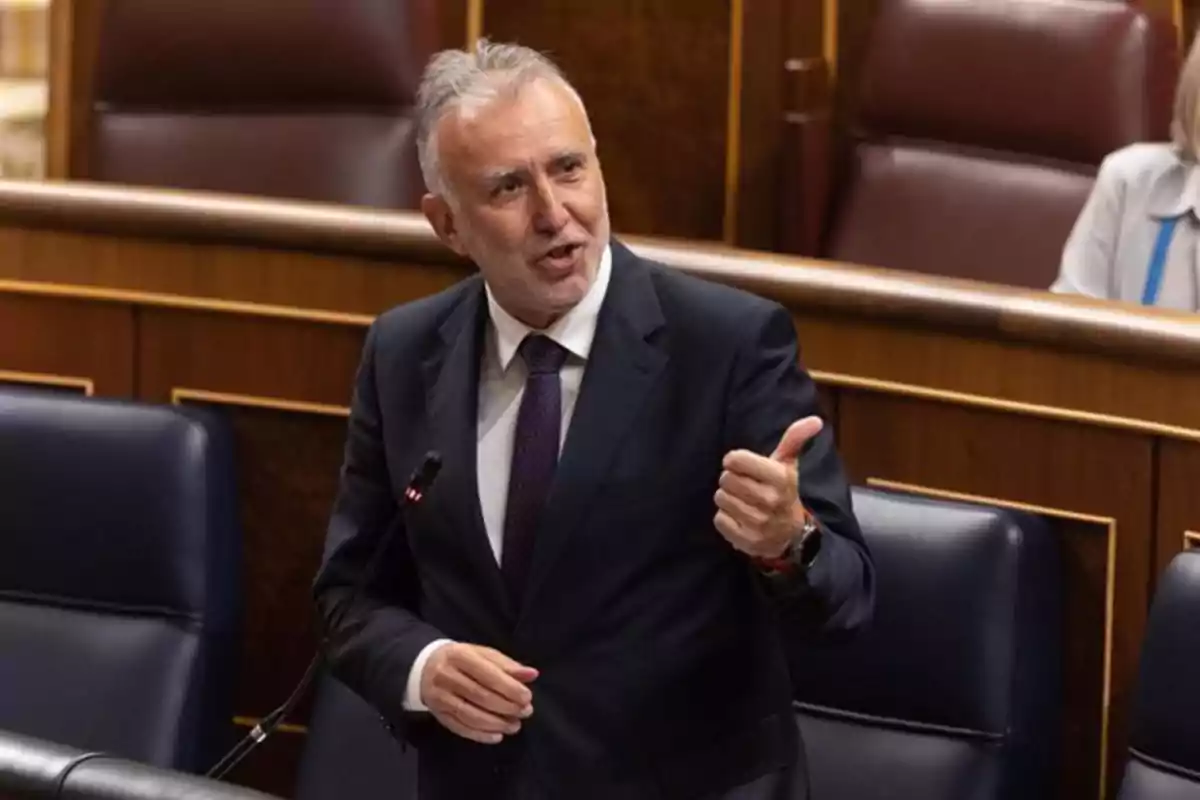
(418, 485)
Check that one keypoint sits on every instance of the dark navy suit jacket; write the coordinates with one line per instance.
(660, 647)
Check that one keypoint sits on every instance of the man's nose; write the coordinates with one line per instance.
(550, 214)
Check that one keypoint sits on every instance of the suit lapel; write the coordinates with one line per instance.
(624, 365)
(452, 393)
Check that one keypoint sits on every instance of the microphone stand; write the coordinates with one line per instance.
(418, 484)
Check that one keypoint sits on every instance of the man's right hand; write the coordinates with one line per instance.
(477, 692)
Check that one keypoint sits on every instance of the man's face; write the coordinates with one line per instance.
(527, 203)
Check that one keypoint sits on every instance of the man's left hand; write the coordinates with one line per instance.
(758, 502)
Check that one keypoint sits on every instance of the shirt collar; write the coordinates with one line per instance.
(574, 330)
(1176, 192)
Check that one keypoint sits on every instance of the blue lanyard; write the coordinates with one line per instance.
(1158, 261)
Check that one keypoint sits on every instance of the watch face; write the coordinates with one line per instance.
(806, 549)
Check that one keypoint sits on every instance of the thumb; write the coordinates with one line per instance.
(795, 437)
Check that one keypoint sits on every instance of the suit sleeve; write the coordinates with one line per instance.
(372, 640)
(770, 391)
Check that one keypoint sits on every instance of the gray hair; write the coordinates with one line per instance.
(455, 77)
(1184, 131)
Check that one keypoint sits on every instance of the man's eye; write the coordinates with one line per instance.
(506, 186)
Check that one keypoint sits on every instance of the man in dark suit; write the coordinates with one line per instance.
(638, 503)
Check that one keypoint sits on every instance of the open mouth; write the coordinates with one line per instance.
(561, 258)
(562, 252)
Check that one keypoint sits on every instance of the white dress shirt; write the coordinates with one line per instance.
(501, 386)
(1109, 250)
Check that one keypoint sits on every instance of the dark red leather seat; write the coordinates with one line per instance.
(305, 100)
(981, 125)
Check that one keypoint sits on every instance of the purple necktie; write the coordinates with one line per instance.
(534, 458)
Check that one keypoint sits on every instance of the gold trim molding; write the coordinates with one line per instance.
(1110, 573)
(183, 302)
(287, 727)
(474, 21)
(1058, 413)
(733, 121)
(85, 385)
(829, 37)
(181, 395)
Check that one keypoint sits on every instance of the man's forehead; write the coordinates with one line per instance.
(541, 112)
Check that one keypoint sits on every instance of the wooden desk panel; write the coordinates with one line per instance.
(1178, 500)
(65, 344)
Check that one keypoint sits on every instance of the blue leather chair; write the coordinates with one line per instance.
(119, 577)
(953, 692)
(33, 769)
(1164, 751)
(349, 754)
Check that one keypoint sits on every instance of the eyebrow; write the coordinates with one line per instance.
(499, 175)
(568, 155)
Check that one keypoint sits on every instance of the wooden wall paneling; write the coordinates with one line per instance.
(1051, 464)
(806, 148)
(67, 344)
(655, 76)
(453, 21)
(781, 45)
(1178, 501)
(74, 32)
(60, 86)
(284, 386)
(306, 366)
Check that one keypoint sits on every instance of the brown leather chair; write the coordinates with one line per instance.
(307, 100)
(980, 126)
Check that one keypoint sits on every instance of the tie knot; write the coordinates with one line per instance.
(542, 355)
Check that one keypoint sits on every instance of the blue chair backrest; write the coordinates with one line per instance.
(953, 692)
(1164, 743)
(120, 577)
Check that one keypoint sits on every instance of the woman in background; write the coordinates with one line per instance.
(1135, 239)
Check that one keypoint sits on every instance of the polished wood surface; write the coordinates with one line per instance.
(53, 342)
(1081, 410)
(655, 76)
(1178, 501)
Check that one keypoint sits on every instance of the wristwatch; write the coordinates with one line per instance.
(799, 555)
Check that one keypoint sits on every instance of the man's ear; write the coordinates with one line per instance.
(441, 219)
